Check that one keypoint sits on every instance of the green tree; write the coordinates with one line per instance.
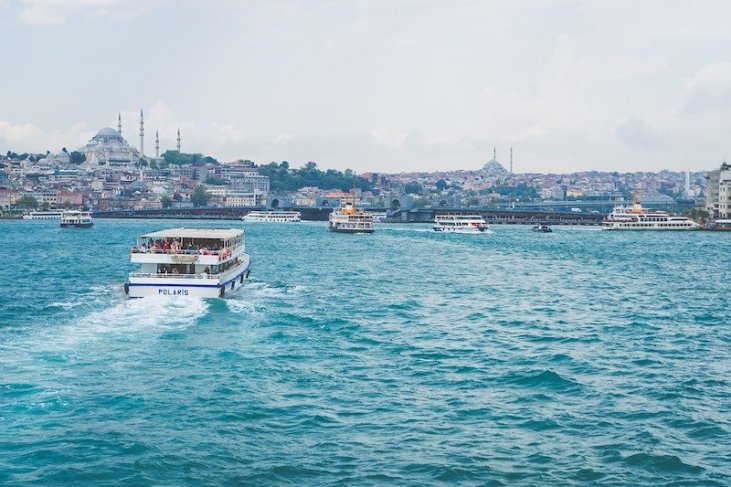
(27, 202)
(166, 201)
(441, 185)
(200, 196)
(412, 188)
(45, 206)
(76, 157)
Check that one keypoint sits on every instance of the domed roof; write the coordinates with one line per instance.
(107, 131)
(494, 168)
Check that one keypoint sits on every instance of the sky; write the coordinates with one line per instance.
(377, 85)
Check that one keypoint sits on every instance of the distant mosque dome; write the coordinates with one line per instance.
(108, 148)
(494, 168)
(108, 132)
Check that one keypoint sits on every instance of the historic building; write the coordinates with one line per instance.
(108, 148)
(718, 192)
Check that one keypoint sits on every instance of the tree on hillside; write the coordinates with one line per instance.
(166, 201)
(27, 202)
(200, 196)
(412, 188)
(76, 157)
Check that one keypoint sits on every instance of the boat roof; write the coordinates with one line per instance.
(211, 233)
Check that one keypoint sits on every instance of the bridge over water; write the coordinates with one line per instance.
(415, 215)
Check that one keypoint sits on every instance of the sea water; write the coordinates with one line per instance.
(402, 357)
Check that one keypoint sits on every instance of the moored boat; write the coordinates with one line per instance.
(347, 219)
(75, 218)
(44, 215)
(636, 217)
(273, 216)
(542, 228)
(459, 223)
(200, 262)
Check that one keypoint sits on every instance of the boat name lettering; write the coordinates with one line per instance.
(173, 292)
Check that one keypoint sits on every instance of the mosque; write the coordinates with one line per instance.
(494, 168)
(109, 148)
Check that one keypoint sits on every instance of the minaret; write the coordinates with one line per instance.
(119, 123)
(511, 159)
(494, 154)
(178, 139)
(687, 184)
(157, 145)
(142, 133)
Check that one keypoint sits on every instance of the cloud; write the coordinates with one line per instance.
(708, 90)
(637, 133)
(26, 137)
(54, 12)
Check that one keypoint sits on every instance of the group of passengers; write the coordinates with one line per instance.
(179, 269)
(175, 246)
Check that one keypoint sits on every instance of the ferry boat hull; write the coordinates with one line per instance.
(77, 225)
(181, 287)
(471, 230)
(339, 228)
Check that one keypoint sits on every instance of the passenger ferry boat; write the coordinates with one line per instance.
(44, 215)
(347, 219)
(200, 262)
(75, 218)
(637, 218)
(459, 223)
(378, 216)
(273, 216)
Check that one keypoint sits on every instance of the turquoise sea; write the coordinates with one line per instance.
(404, 357)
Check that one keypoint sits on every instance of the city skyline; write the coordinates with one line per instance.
(385, 87)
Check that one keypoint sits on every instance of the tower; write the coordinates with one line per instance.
(178, 139)
(119, 123)
(494, 154)
(142, 133)
(687, 184)
(157, 145)
(511, 159)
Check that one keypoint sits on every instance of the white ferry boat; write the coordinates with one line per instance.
(199, 262)
(44, 215)
(378, 216)
(347, 219)
(637, 218)
(459, 223)
(75, 218)
(273, 216)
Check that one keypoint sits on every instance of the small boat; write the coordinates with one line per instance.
(347, 219)
(273, 216)
(542, 228)
(199, 262)
(459, 223)
(723, 225)
(75, 218)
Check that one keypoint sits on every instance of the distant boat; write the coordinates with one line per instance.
(637, 218)
(347, 219)
(273, 216)
(55, 214)
(378, 216)
(459, 223)
(74, 218)
(543, 228)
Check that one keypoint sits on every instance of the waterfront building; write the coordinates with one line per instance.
(718, 192)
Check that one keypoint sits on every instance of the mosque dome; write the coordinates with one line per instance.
(108, 147)
(494, 168)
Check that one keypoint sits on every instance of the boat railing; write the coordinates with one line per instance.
(222, 253)
(174, 276)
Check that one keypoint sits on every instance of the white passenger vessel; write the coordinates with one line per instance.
(44, 215)
(637, 218)
(459, 223)
(273, 216)
(347, 219)
(75, 218)
(199, 262)
(378, 216)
